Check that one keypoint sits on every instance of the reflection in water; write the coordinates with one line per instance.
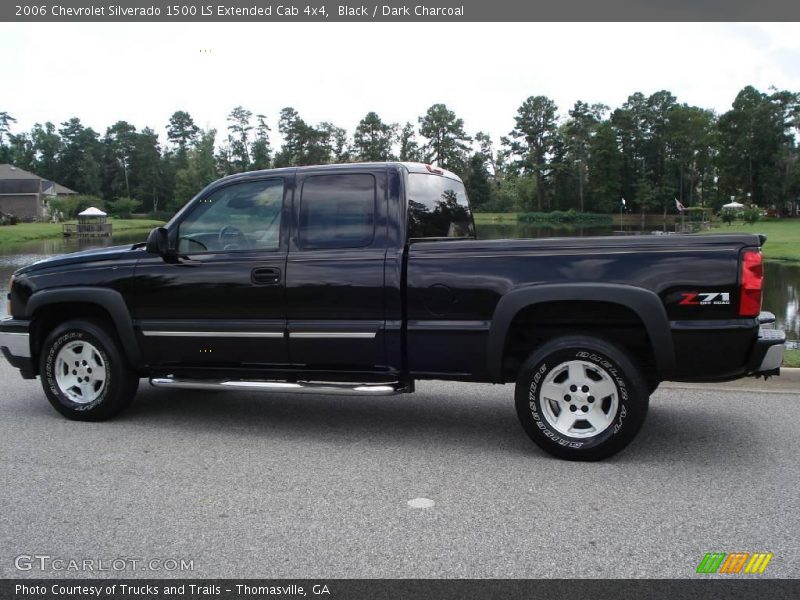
(782, 281)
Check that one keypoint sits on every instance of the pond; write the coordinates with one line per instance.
(780, 294)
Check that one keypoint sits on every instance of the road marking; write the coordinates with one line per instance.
(421, 503)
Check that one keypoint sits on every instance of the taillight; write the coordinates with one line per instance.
(752, 283)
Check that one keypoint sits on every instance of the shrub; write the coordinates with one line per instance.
(121, 207)
(728, 215)
(751, 215)
(8, 219)
(698, 214)
(70, 206)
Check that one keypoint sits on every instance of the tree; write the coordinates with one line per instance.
(477, 182)
(145, 168)
(409, 148)
(239, 129)
(46, 145)
(755, 143)
(5, 130)
(690, 142)
(604, 171)
(182, 133)
(447, 140)
(119, 144)
(579, 131)
(21, 150)
(261, 149)
(200, 170)
(337, 143)
(373, 138)
(80, 158)
(534, 138)
(302, 143)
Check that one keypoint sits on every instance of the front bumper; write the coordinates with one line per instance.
(15, 345)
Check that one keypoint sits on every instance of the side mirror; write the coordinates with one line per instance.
(158, 242)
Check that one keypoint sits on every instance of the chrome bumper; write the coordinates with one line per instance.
(18, 345)
(773, 359)
(767, 355)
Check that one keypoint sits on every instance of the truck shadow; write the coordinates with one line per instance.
(476, 417)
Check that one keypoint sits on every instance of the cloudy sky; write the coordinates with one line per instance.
(338, 72)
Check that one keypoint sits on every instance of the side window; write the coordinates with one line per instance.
(242, 216)
(337, 211)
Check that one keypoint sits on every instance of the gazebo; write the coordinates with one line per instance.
(733, 206)
(91, 223)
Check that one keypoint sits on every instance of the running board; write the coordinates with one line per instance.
(285, 387)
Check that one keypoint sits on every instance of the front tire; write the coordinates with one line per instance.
(581, 398)
(84, 373)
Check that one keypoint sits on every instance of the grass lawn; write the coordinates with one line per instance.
(25, 232)
(791, 358)
(783, 237)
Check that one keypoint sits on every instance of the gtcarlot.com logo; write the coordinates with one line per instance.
(48, 563)
(735, 563)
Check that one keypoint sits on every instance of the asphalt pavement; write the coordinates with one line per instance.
(247, 485)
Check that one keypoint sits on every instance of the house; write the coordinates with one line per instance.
(27, 195)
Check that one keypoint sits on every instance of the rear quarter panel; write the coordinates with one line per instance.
(453, 288)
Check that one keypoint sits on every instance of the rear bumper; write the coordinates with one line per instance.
(766, 357)
(15, 345)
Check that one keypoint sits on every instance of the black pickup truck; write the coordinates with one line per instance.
(362, 278)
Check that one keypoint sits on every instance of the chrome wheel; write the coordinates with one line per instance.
(81, 372)
(579, 399)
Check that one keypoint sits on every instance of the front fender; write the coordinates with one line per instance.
(110, 300)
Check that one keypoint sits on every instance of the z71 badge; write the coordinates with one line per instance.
(705, 298)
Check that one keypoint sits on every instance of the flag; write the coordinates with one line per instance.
(623, 202)
(679, 206)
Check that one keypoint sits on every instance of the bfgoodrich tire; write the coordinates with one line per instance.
(84, 373)
(581, 398)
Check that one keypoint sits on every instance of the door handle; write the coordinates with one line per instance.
(266, 276)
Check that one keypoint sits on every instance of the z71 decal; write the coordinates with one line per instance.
(705, 298)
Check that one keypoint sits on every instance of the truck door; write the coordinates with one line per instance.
(220, 301)
(335, 299)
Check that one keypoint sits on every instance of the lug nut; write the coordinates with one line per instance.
(573, 408)
(590, 398)
(572, 388)
(585, 408)
(567, 397)
(584, 389)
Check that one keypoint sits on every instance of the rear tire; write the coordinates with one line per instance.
(581, 398)
(84, 373)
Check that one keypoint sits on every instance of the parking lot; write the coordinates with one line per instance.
(245, 485)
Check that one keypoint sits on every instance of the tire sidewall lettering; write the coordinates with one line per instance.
(50, 376)
(538, 375)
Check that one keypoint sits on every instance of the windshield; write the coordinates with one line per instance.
(438, 208)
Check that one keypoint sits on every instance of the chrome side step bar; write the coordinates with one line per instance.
(285, 387)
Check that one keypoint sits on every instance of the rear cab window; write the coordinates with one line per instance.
(438, 207)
